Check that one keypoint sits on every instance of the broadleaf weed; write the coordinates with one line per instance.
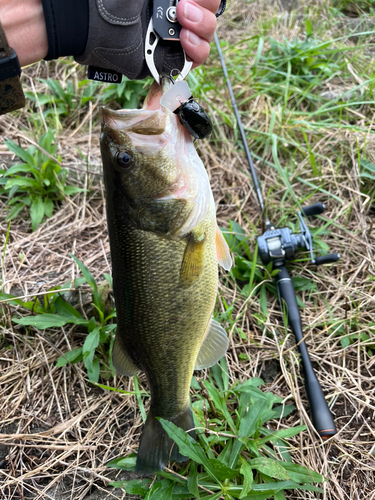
(232, 457)
(37, 184)
(54, 312)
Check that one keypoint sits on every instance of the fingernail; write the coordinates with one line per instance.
(193, 38)
(192, 13)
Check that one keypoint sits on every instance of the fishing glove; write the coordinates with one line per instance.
(116, 39)
(108, 34)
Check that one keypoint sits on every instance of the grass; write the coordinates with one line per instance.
(56, 311)
(37, 184)
(304, 84)
(237, 455)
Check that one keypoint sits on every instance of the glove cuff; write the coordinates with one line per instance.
(67, 25)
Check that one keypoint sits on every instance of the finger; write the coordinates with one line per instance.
(197, 19)
(212, 5)
(195, 47)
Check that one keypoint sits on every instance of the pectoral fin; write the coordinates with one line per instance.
(122, 361)
(192, 263)
(222, 250)
(214, 346)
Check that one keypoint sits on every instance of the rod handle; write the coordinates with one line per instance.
(320, 413)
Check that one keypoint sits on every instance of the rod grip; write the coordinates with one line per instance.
(320, 413)
(287, 294)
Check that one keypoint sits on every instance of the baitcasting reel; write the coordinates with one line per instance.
(283, 244)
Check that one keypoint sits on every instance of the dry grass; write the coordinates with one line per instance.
(58, 430)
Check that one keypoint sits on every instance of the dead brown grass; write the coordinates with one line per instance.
(58, 430)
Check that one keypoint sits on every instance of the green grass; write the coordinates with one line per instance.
(64, 101)
(291, 78)
(355, 7)
(51, 310)
(37, 184)
(236, 455)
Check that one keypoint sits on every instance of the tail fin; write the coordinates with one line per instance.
(155, 447)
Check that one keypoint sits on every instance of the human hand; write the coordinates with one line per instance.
(198, 22)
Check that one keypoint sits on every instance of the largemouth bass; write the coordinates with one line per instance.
(165, 248)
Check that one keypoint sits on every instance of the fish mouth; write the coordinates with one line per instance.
(151, 119)
(159, 124)
(140, 121)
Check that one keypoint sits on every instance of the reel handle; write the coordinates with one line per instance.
(315, 209)
(326, 259)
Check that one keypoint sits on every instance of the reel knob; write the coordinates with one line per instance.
(326, 259)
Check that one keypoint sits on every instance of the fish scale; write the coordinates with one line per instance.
(161, 309)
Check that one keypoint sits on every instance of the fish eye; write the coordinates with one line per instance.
(124, 159)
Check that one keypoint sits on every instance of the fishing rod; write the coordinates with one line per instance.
(279, 245)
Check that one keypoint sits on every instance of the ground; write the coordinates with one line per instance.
(58, 430)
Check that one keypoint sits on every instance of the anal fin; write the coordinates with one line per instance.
(214, 346)
(122, 361)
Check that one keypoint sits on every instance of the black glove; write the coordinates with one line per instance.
(109, 34)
